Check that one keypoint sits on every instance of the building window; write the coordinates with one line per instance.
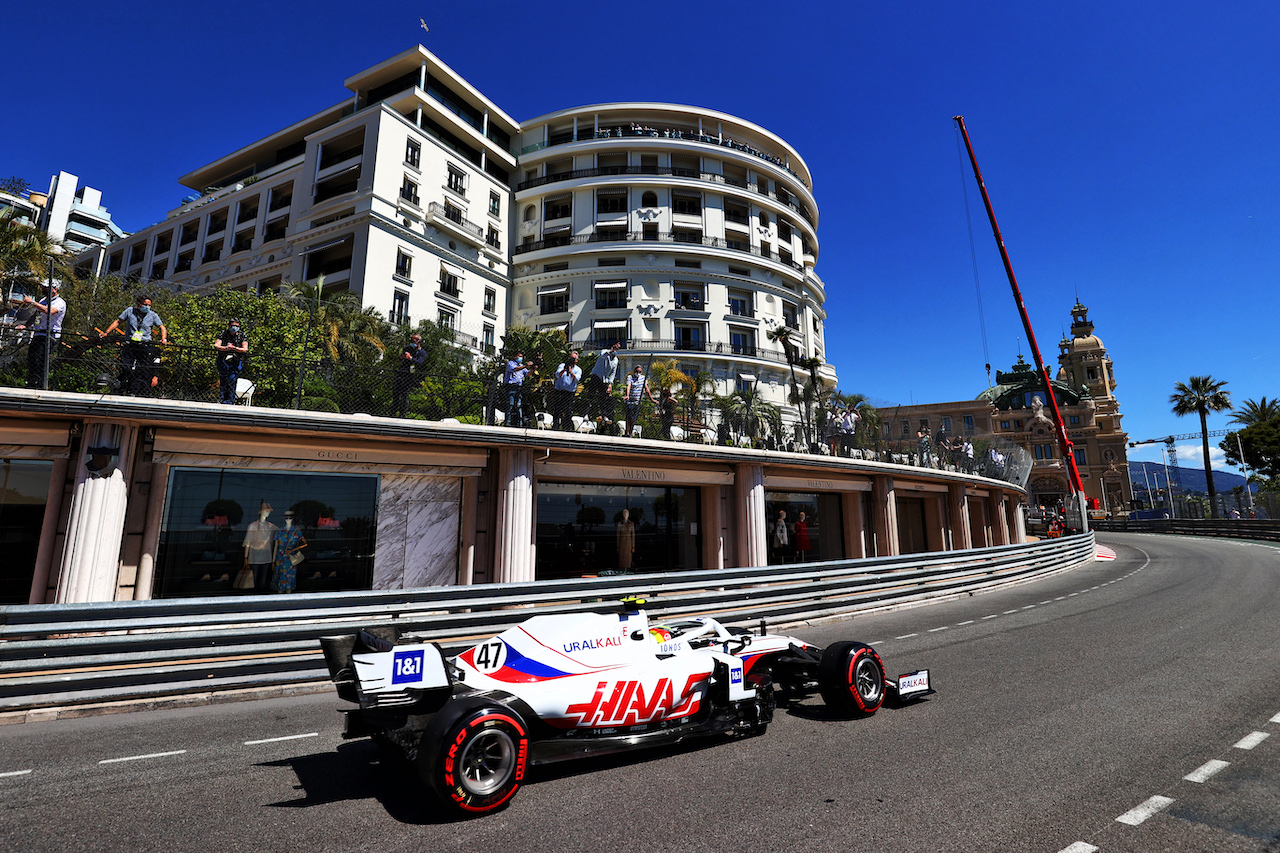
(553, 300)
(649, 199)
(495, 204)
(1074, 420)
(449, 283)
(906, 427)
(494, 239)
(686, 204)
(1004, 425)
(813, 522)
(690, 337)
(1091, 373)
(446, 320)
(1081, 457)
(946, 424)
(409, 191)
(611, 294)
(490, 299)
(968, 423)
(399, 308)
(743, 341)
(1044, 451)
(412, 153)
(560, 207)
(789, 316)
(486, 339)
(688, 264)
(457, 181)
(740, 304)
(611, 201)
(606, 333)
(404, 264)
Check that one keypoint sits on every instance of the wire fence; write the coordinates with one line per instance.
(90, 364)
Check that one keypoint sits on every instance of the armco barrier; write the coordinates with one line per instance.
(1231, 528)
(57, 655)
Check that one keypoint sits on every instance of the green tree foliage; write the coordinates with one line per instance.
(1255, 412)
(1201, 395)
(25, 253)
(1261, 444)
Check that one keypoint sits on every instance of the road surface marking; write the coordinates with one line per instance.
(1138, 814)
(905, 636)
(935, 630)
(1251, 740)
(141, 757)
(1061, 598)
(278, 739)
(1079, 847)
(1206, 770)
(14, 773)
(997, 616)
(1007, 612)
(1029, 607)
(967, 622)
(1275, 719)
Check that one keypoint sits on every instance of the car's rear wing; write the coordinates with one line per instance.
(370, 669)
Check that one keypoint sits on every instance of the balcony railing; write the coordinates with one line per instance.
(654, 236)
(710, 177)
(678, 345)
(436, 210)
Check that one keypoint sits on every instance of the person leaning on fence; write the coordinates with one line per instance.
(407, 374)
(513, 383)
(600, 384)
(138, 354)
(45, 332)
(567, 376)
(637, 387)
(230, 346)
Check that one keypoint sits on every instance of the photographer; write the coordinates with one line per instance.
(231, 347)
(513, 376)
(411, 360)
(138, 355)
(567, 376)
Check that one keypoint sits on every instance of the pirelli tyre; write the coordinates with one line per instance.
(851, 678)
(473, 755)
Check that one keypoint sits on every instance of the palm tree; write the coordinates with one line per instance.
(782, 334)
(345, 331)
(1252, 413)
(25, 251)
(1202, 395)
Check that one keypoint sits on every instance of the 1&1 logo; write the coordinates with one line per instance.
(406, 667)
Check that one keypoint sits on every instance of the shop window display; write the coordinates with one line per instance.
(24, 488)
(803, 528)
(238, 532)
(592, 529)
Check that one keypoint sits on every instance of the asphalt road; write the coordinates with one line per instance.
(1131, 705)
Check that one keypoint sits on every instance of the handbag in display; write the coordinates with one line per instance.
(244, 579)
(296, 558)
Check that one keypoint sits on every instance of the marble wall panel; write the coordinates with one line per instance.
(418, 521)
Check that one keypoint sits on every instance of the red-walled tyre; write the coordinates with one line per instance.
(851, 678)
(473, 755)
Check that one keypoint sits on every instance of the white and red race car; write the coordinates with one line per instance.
(567, 686)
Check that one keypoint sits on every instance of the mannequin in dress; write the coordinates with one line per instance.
(802, 539)
(259, 547)
(288, 540)
(626, 539)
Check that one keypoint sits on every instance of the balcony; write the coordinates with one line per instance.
(453, 221)
(722, 348)
(558, 241)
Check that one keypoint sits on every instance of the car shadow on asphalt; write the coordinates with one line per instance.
(360, 770)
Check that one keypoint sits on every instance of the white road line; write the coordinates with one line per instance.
(1275, 719)
(1138, 814)
(278, 739)
(1007, 612)
(140, 757)
(1079, 847)
(14, 773)
(936, 630)
(1046, 601)
(966, 622)
(1251, 740)
(997, 616)
(1029, 607)
(1073, 595)
(1206, 770)
(905, 636)
(1061, 598)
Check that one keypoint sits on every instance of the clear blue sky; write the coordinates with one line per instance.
(1130, 148)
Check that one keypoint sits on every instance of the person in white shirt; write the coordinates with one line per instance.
(45, 332)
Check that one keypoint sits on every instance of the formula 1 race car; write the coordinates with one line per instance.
(568, 686)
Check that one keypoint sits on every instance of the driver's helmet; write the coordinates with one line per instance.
(660, 634)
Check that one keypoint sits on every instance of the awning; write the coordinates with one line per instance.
(746, 377)
(611, 285)
(553, 290)
(450, 268)
(328, 245)
(554, 327)
(556, 229)
(609, 324)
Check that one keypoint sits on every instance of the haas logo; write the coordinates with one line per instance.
(630, 703)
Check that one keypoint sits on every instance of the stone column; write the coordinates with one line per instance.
(753, 536)
(1019, 531)
(142, 587)
(514, 557)
(855, 539)
(713, 546)
(467, 530)
(95, 527)
(887, 516)
(999, 521)
(48, 533)
(961, 534)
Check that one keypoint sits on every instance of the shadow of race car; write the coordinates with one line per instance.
(562, 687)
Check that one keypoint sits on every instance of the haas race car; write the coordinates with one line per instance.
(562, 687)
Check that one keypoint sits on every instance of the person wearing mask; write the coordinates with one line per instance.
(513, 376)
(230, 347)
(567, 376)
(412, 357)
(138, 355)
(45, 332)
(600, 384)
(637, 388)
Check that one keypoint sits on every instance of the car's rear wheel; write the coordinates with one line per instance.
(851, 678)
(473, 755)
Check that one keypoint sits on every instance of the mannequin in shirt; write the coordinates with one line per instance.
(259, 547)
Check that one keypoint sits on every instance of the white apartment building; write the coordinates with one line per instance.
(75, 215)
(687, 233)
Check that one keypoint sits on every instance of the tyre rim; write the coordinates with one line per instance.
(487, 761)
(867, 680)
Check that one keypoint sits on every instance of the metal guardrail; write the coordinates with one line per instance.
(1244, 528)
(54, 655)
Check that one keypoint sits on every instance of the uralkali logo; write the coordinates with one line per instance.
(591, 645)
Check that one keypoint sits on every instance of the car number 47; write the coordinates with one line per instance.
(490, 656)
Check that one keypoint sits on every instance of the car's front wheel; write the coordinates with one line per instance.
(473, 755)
(851, 678)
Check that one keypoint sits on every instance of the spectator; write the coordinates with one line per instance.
(138, 355)
(925, 443)
(666, 412)
(231, 346)
(600, 384)
(45, 332)
(565, 386)
(637, 386)
(513, 381)
(968, 455)
(412, 357)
